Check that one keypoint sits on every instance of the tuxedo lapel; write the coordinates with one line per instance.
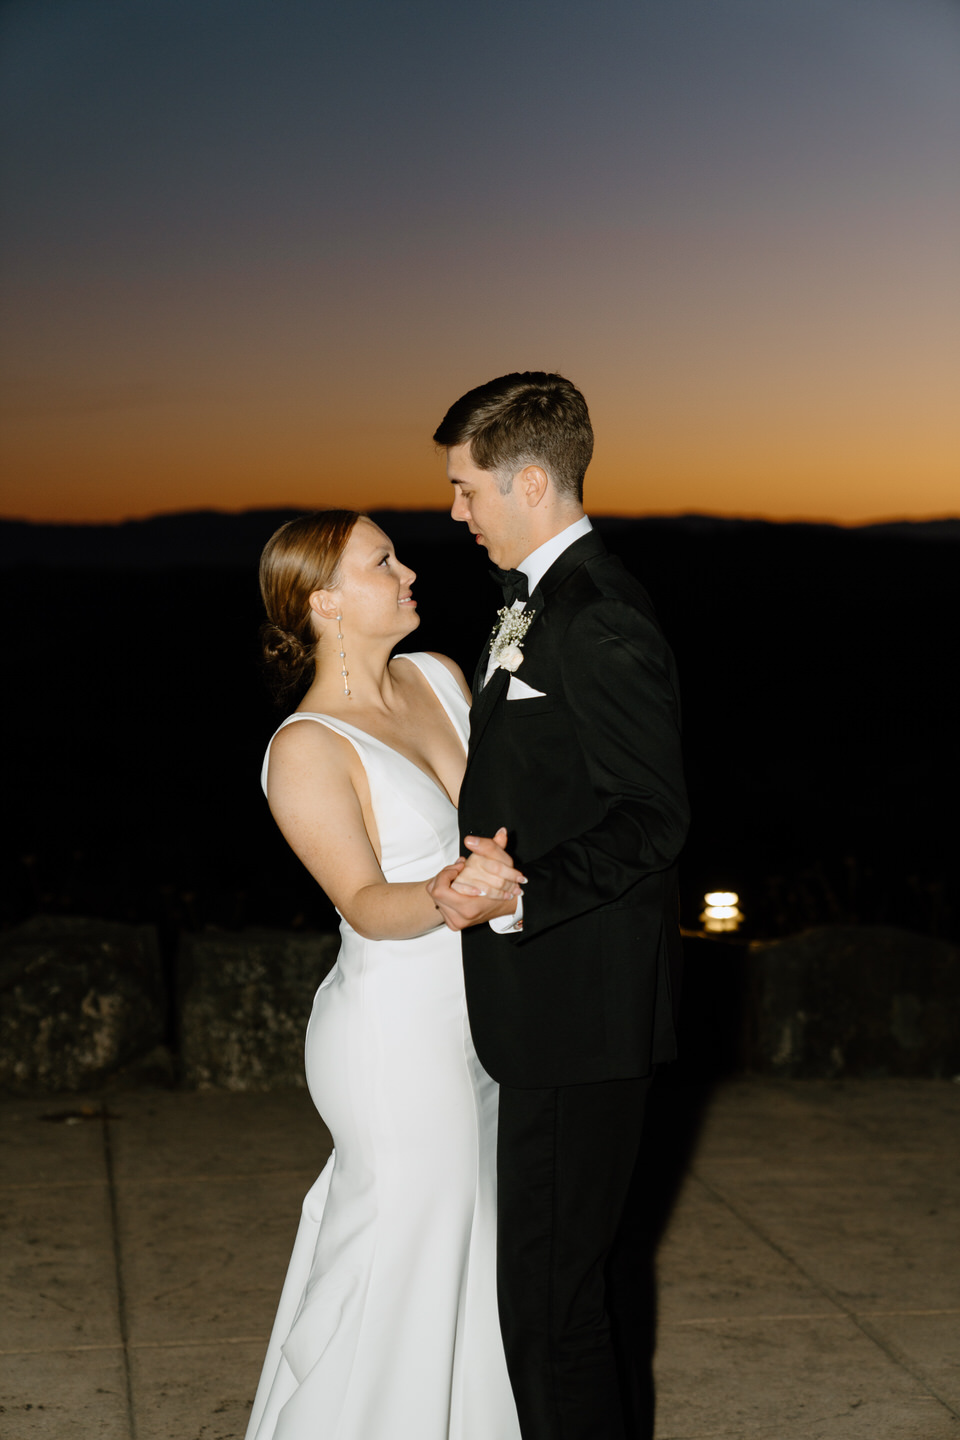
(480, 673)
(487, 695)
(485, 703)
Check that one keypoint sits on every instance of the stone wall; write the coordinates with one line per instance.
(244, 1002)
(79, 999)
(855, 1000)
(835, 1000)
(83, 1003)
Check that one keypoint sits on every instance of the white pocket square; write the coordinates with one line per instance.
(517, 690)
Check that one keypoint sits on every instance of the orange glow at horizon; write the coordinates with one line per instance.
(117, 463)
(720, 389)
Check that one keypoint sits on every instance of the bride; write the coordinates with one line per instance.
(387, 1326)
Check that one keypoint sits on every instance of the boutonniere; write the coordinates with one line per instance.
(506, 641)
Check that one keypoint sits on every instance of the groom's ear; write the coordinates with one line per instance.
(533, 482)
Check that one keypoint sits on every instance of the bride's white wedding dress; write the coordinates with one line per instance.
(387, 1326)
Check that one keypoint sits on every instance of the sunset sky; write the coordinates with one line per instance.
(253, 249)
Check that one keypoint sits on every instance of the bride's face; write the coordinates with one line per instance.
(374, 590)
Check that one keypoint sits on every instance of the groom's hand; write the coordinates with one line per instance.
(461, 911)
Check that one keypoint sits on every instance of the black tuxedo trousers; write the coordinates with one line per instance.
(571, 1013)
(571, 1310)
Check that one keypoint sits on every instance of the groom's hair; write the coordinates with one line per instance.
(530, 418)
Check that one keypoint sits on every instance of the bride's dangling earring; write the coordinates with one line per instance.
(343, 659)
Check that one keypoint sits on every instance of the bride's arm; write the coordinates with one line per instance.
(313, 787)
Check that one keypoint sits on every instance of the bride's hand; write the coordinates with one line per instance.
(489, 871)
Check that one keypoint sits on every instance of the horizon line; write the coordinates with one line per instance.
(736, 518)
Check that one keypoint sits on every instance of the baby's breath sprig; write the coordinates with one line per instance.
(506, 640)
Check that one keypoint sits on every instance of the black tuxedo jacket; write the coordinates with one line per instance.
(589, 783)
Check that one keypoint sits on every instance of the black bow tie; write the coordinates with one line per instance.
(513, 584)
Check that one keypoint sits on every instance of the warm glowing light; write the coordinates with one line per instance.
(721, 911)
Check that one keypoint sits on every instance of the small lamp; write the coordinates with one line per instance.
(721, 911)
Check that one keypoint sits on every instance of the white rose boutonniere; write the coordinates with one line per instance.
(506, 645)
(511, 658)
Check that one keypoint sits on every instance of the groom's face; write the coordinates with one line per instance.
(499, 522)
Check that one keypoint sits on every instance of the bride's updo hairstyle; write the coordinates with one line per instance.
(302, 556)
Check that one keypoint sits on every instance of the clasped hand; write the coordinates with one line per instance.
(480, 887)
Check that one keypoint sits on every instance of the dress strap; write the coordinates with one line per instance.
(447, 690)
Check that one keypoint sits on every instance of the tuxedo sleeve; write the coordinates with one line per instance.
(619, 688)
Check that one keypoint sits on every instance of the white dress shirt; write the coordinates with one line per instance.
(535, 566)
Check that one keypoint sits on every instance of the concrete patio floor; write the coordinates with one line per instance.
(808, 1274)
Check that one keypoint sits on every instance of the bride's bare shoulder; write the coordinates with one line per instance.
(307, 741)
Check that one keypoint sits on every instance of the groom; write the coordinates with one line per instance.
(575, 748)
